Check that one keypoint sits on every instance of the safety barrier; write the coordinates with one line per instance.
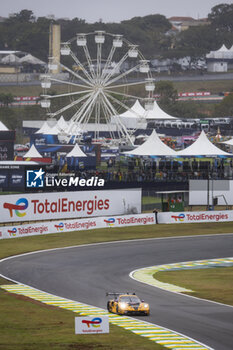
(47, 227)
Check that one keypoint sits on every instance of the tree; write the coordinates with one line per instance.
(221, 17)
(225, 107)
(6, 99)
(166, 91)
(23, 16)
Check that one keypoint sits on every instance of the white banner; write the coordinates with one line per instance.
(47, 227)
(62, 205)
(92, 325)
(203, 192)
(130, 220)
(195, 217)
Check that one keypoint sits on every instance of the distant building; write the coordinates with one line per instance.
(184, 23)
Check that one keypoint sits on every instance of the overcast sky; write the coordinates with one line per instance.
(110, 10)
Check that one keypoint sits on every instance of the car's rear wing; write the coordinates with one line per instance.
(116, 294)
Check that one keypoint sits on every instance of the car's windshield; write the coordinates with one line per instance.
(129, 299)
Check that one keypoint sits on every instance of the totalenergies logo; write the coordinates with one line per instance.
(110, 222)
(95, 322)
(12, 232)
(21, 204)
(179, 217)
(60, 226)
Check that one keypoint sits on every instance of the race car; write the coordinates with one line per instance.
(127, 304)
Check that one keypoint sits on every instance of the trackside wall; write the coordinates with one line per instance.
(43, 228)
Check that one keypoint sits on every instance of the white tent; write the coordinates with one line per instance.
(52, 131)
(62, 124)
(11, 58)
(203, 147)
(44, 129)
(32, 153)
(223, 48)
(31, 59)
(222, 53)
(157, 113)
(136, 111)
(76, 152)
(3, 127)
(153, 146)
(132, 118)
(229, 142)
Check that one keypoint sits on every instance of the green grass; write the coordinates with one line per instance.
(211, 283)
(214, 86)
(150, 200)
(31, 325)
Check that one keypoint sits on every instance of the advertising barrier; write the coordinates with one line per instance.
(43, 228)
(64, 205)
(195, 217)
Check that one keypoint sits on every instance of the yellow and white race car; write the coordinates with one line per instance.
(127, 304)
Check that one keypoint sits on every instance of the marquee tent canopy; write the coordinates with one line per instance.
(3, 127)
(11, 58)
(136, 111)
(133, 118)
(52, 131)
(32, 153)
(222, 53)
(229, 142)
(153, 146)
(44, 129)
(157, 113)
(62, 124)
(31, 59)
(203, 147)
(76, 152)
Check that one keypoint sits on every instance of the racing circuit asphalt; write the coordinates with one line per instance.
(86, 273)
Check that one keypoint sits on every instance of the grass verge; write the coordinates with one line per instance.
(30, 325)
(214, 284)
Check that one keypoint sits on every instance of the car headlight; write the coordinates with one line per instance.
(146, 305)
(123, 305)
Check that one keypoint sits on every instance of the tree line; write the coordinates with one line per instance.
(24, 32)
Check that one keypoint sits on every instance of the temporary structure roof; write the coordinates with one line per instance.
(203, 147)
(76, 152)
(31, 59)
(52, 131)
(62, 124)
(3, 127)
(222, 53)
(229, 142)
(223, 48)
(11, 58)
(136, 111)
(44, 129)
(132, 118)
(157, 113)
(32, 153)
(153, 146)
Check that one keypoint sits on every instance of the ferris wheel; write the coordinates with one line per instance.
(104, 71)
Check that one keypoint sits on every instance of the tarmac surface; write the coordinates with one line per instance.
(86, 273)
